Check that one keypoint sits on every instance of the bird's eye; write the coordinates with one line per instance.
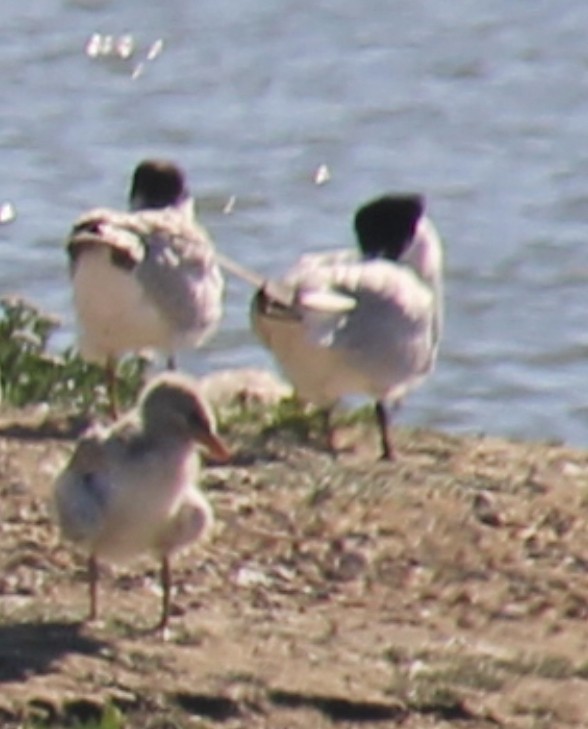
(89, 226)
(195, 420)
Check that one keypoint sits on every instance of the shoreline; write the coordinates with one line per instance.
(451, 585)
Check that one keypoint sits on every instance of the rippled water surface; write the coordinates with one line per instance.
(482, 106)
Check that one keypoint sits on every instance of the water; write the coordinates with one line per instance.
(482, 106)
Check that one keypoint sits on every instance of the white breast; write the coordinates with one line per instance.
(115, 315)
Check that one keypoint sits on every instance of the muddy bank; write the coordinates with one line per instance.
(448, 589)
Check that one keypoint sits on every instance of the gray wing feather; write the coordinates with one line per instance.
(390, 333)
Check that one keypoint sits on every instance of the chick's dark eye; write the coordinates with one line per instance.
(196, 421)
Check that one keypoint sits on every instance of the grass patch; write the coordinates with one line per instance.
(83, 715)
(474, 672)
(425, 679)
(554, 667)
(436, 699)
(30, 373)
(293, 416)
(301, 418)
(289, 418)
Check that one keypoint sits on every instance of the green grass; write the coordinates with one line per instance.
(111, 718)
(301, 420)
(31, 373)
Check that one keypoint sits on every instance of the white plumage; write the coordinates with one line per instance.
(384, 342)
(132, 488)
(146, 279)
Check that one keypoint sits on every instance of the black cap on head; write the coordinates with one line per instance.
(386, 225)
(157, 184)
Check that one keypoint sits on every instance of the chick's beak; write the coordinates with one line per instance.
(215, 446)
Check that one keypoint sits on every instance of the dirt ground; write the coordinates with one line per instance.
(447, 590)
